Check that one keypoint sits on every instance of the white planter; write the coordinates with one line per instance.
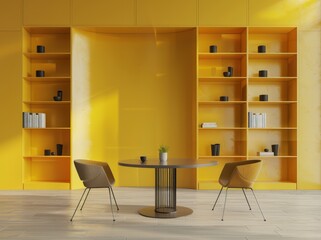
(163, 156)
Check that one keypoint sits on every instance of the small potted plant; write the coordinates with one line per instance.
(163, 153)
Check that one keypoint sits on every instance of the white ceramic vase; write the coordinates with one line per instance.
(163, 156)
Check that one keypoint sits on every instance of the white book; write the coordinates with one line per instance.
(209, 125)
(42, 120)
(29, 124)
(259, 120)
(265, 153)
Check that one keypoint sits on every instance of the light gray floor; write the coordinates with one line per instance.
(45, 215)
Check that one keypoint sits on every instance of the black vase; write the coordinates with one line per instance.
(215, 148)
(59, 149)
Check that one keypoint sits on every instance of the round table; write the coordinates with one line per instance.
(165, 184)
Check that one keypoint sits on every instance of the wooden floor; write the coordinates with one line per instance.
(45, 215)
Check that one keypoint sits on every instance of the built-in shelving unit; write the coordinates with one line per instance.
(47, 171)
(238, 48)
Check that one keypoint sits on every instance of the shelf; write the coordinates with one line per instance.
(47, 102)
(221, 55)
(220, 102)
(271, 55)
(56, 55)
(221, 79)
(47, 79)
(218, 157)
(271, 102)
(273, 128)
(49, 128)
(252, 157)
(47, 157)
(41, 171)
(271, 79)
(222, 128)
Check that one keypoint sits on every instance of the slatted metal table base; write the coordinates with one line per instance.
(165, 196)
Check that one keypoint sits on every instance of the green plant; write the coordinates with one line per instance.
(163, 149)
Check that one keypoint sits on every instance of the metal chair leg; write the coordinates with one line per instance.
(111, 204)
(224, 204)
(78, 204)
(114, 198)
(85, 199)
(246, 199)
(217, 198)
(258, 205)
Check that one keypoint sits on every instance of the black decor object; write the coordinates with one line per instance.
(40, 73)
(261, 49)
(59, 149)
(230, 70)
(263, 73)
(47, 152)
(223, 98)
(41, 49)
(226, 74)
(275, 149)
(59, 96)
(213, 49)
(215, 148)
(264, 97)
(143, 159)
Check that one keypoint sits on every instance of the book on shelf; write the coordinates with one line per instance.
(209, 125)
(256, 120)
(33, 120)
(265, 153)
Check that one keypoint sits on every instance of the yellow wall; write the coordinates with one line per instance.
(14, 14)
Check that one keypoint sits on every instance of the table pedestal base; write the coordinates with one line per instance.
(180, 212)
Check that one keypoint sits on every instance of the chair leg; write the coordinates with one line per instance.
(224, 204)
(114, 198)
(78, 204)
(246, 199)
(258, 205)
(82, 206)
(111, 204)
(217, 198)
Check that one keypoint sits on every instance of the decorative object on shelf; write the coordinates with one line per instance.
(261, 49)
(33, 120)
(263, 73)
(215, 148)
(59, 96)
(213, 49)
(223, 98)
(264, 97)
(40, 73)
(256, 120)
(41, 49)
(266, 149)
(163, 153)
(59, 149)
(229, 72)
(275, 149)
(47, 152)
(226, 74)
(143, 159)
(265, 153)
(209, 125)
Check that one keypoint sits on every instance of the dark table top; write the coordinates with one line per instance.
(171, 163)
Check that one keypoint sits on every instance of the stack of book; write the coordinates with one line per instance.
(33, 120)
(256, 120)
(209, 125)
(265, 153)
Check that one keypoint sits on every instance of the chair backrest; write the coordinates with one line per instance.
(240, 174)
(94, 174)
